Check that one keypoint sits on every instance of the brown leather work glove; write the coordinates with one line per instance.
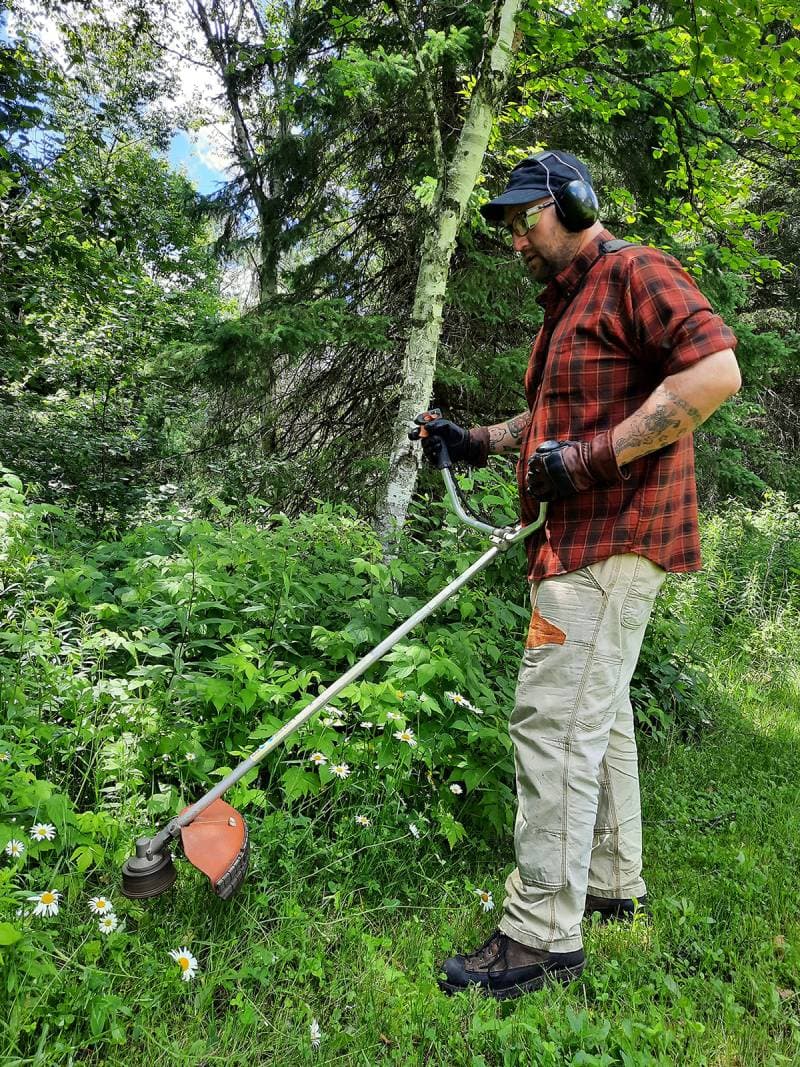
(558, 469)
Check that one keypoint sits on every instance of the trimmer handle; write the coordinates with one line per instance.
(443, 460)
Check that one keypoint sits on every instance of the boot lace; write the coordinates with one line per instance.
(492, 951)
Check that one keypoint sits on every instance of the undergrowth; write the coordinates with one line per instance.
(134, 671)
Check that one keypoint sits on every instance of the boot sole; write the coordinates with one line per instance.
(562, 975)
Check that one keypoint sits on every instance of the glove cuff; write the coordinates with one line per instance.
(603, 461)
(476, 453)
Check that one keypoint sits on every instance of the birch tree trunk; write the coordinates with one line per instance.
(455, 187)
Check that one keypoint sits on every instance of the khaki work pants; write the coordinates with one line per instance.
(578, 823)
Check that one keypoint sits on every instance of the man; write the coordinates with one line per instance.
(630, 359)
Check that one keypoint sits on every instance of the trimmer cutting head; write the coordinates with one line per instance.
(216, 842)
(147, 874)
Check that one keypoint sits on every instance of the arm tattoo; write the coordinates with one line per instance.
(505, 436)
(671, 417)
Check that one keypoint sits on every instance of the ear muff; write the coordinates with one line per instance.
(577, 206)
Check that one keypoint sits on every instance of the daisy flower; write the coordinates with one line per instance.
(407, 736)
(186, 962)
(456, 788)
(4, 757)
(14, 849)
(315, 1033)
(400, 694)
(107, 923)
(190, 756)
(413, 829)
(318, 759)
(328, 721)
(362, 820)
(46, 903)
(394, 716)
(43, 831)
(456, 698)
(100, 905)
(341, 770)
(366, 724)
(486, 899)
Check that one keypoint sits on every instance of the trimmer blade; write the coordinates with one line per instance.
(147, 875)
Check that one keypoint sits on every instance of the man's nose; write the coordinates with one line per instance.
(519, 244)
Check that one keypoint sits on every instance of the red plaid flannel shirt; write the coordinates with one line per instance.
(614, 327)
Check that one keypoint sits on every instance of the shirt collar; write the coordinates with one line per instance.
(563, 285)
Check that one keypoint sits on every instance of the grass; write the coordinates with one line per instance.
(350, 933)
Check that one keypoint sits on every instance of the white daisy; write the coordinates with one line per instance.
(318, 759)
(190, 756)
(362, 820)
(456, 788)
(4, 757)
(315, 1033)
(486, 899)
(166, 757)
(186, 962)
(394, 716)
(341, 770)
(43, 831)
(46, 903)
(100, 905)
(107, 923)
(366, 724)
(456, 698)
(14, 849)
(407, 736)
(413, 829)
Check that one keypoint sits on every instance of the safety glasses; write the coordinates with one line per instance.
(524, 221)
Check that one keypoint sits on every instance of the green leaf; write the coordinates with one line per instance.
(9, 935)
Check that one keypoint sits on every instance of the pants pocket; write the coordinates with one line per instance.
(541, 850)
(642, 592)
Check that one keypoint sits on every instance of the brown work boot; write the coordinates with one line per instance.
(609, 909)
(502, 968)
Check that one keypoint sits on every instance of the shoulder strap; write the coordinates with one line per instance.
(616, 245)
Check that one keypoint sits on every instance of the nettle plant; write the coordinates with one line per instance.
(142, 668)
(155, 661)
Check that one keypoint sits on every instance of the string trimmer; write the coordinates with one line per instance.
(213, 834)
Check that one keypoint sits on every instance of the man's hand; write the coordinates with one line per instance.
(559, 469)
(467, 446)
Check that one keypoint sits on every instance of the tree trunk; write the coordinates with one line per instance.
(419, 361)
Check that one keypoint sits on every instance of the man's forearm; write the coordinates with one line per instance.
(507, 436)
(677, 407)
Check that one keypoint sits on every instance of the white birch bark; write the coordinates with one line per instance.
(419, 361)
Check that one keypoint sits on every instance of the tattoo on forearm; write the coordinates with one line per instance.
(506, 435)
(671, 418)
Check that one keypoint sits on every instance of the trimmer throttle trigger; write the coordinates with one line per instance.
(427, 416)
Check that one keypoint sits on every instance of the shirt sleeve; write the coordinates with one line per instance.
(674, 324)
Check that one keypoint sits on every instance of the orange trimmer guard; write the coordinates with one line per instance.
(216, 843)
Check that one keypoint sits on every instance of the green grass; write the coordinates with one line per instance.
(347, 930)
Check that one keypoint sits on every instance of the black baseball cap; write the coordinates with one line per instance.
(541, 175)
